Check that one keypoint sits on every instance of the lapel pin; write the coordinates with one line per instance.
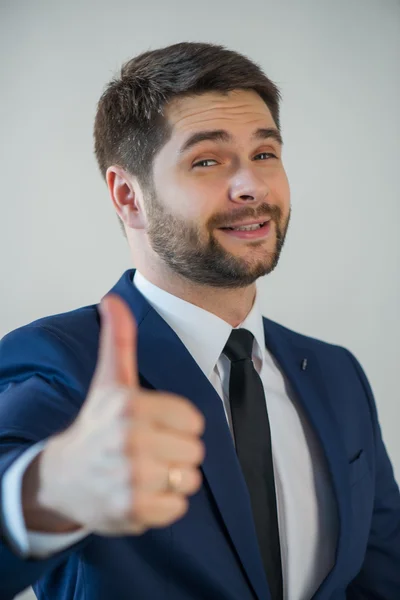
(304, 364)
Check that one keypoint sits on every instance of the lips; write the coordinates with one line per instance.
(255, 234)
(259, 222)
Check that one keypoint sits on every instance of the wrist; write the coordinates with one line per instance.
(40, 487)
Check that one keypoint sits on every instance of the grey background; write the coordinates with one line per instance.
(337, 64)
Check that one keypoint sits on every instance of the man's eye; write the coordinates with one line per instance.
(267, 154)
(203, 163)
(205, 160)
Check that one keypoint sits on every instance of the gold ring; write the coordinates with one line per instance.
(174, 479)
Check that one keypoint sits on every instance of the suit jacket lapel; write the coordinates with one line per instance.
(315, 398)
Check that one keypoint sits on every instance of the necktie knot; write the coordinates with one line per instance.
(239, 345)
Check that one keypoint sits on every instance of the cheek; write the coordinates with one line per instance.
(199, 199)
(280, 189)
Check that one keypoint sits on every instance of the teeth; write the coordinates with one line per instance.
(247, 228)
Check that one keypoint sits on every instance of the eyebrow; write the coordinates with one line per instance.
(220, 135)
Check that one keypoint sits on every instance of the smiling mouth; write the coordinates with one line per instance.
(247, 227)
(261, 230)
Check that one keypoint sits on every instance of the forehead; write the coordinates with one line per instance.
(238, 107)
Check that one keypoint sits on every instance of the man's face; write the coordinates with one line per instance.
(218, 183)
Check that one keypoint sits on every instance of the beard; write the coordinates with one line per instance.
(195, 253)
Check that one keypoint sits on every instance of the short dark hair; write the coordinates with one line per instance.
(130, 127)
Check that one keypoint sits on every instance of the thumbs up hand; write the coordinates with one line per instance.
(109, 470)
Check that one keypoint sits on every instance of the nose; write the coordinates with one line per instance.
(248, 187)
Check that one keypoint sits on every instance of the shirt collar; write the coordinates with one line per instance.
(203, 333)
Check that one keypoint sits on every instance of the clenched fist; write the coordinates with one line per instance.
(108, 471)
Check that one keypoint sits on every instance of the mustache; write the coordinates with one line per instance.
(248, 213)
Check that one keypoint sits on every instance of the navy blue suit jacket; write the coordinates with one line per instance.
(211, 553)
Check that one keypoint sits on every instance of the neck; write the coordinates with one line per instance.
(231, 305)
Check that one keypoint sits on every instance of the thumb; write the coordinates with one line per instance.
(117, 358)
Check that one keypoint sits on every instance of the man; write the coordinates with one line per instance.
(172, 442)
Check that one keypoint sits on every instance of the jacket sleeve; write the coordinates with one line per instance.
(29, 543)
(41, 393)
(379, 577)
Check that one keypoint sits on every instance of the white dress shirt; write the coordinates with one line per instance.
(306, 511)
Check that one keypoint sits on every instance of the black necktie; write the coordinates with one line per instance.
(253, 446)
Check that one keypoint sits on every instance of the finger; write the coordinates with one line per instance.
(158, 510)
(168, 411)
(117, 358)
(150, 475)
(164, 446)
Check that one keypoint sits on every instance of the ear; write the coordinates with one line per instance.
(126, 196)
